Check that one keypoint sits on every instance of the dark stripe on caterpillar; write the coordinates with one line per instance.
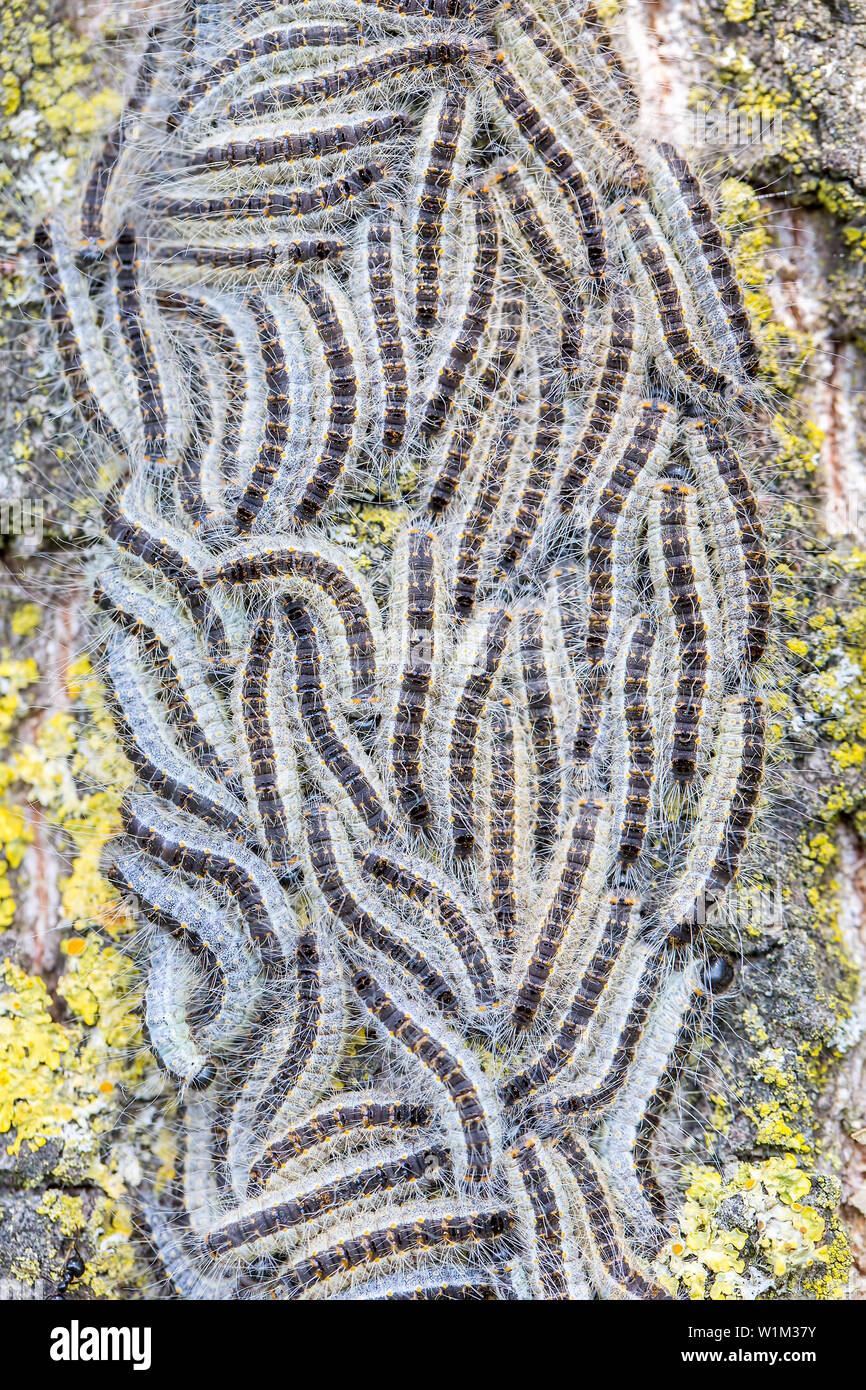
(278, 405)
(302, 145)
(173, 656)
(66, 340)
(308, 1021)
(536, 685)
(738, 528)
(319, 725)
(415, 678)
(592, 1101)
(343, 1120)
(431, 204)
(640, 752)
(464, 729)
(201, 862)
(474, 321)
(605, 1238)
(360, 921)
(570, 179)
(353, 78)
(476, 526)
(275, 255)
(312, 1205)
(491, 378)
(447, 1070)
(607, 520)
(542, 462)
(626, 168)
(502, 825)
(262, 46)
(256, 701)
(550, 260)
(298, 202)
(606, 403)
(547, 1223)
(343, 409)
(426, 1233)
(156, 762)
(102, 172)
(672, 319)
(718, 260)
(137, 340)
(392, 353)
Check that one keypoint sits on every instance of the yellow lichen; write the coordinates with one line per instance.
(68, 753)
(31, 1048)
(52, 1076)
(751, 1235)
(65, 1060)
(15, 676)
(26, 619)
(737, 11)
(96, 987)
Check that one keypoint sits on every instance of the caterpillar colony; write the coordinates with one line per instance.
(422, 847)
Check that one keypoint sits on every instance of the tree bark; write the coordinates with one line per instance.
(771, 100)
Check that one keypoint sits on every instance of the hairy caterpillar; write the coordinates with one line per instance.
(409, 970)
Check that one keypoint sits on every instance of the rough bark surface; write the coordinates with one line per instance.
(779, 1098)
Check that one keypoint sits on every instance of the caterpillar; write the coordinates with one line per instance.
(272, 775)
(270, 256)
(570, 178)
(538, 687)
(660, 281)
(622, 363)
(738, 540)
(337, 759)
(572, 899)
(137, 337)
(612, 527)
(392, 350)
(687, 214)
(634, 726)
(549, 259)
(446, 121)
(350, 79)
(474, 318)
(542, 465)
(418, 660)
(106, 164)
(680, 571)
(480, 514)
(432, 606)
(191, 704)
(468, 703)
(77, 343)
(331, 584)
(263, 45)
(332, 869)
(454, 917)
(495, 373)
